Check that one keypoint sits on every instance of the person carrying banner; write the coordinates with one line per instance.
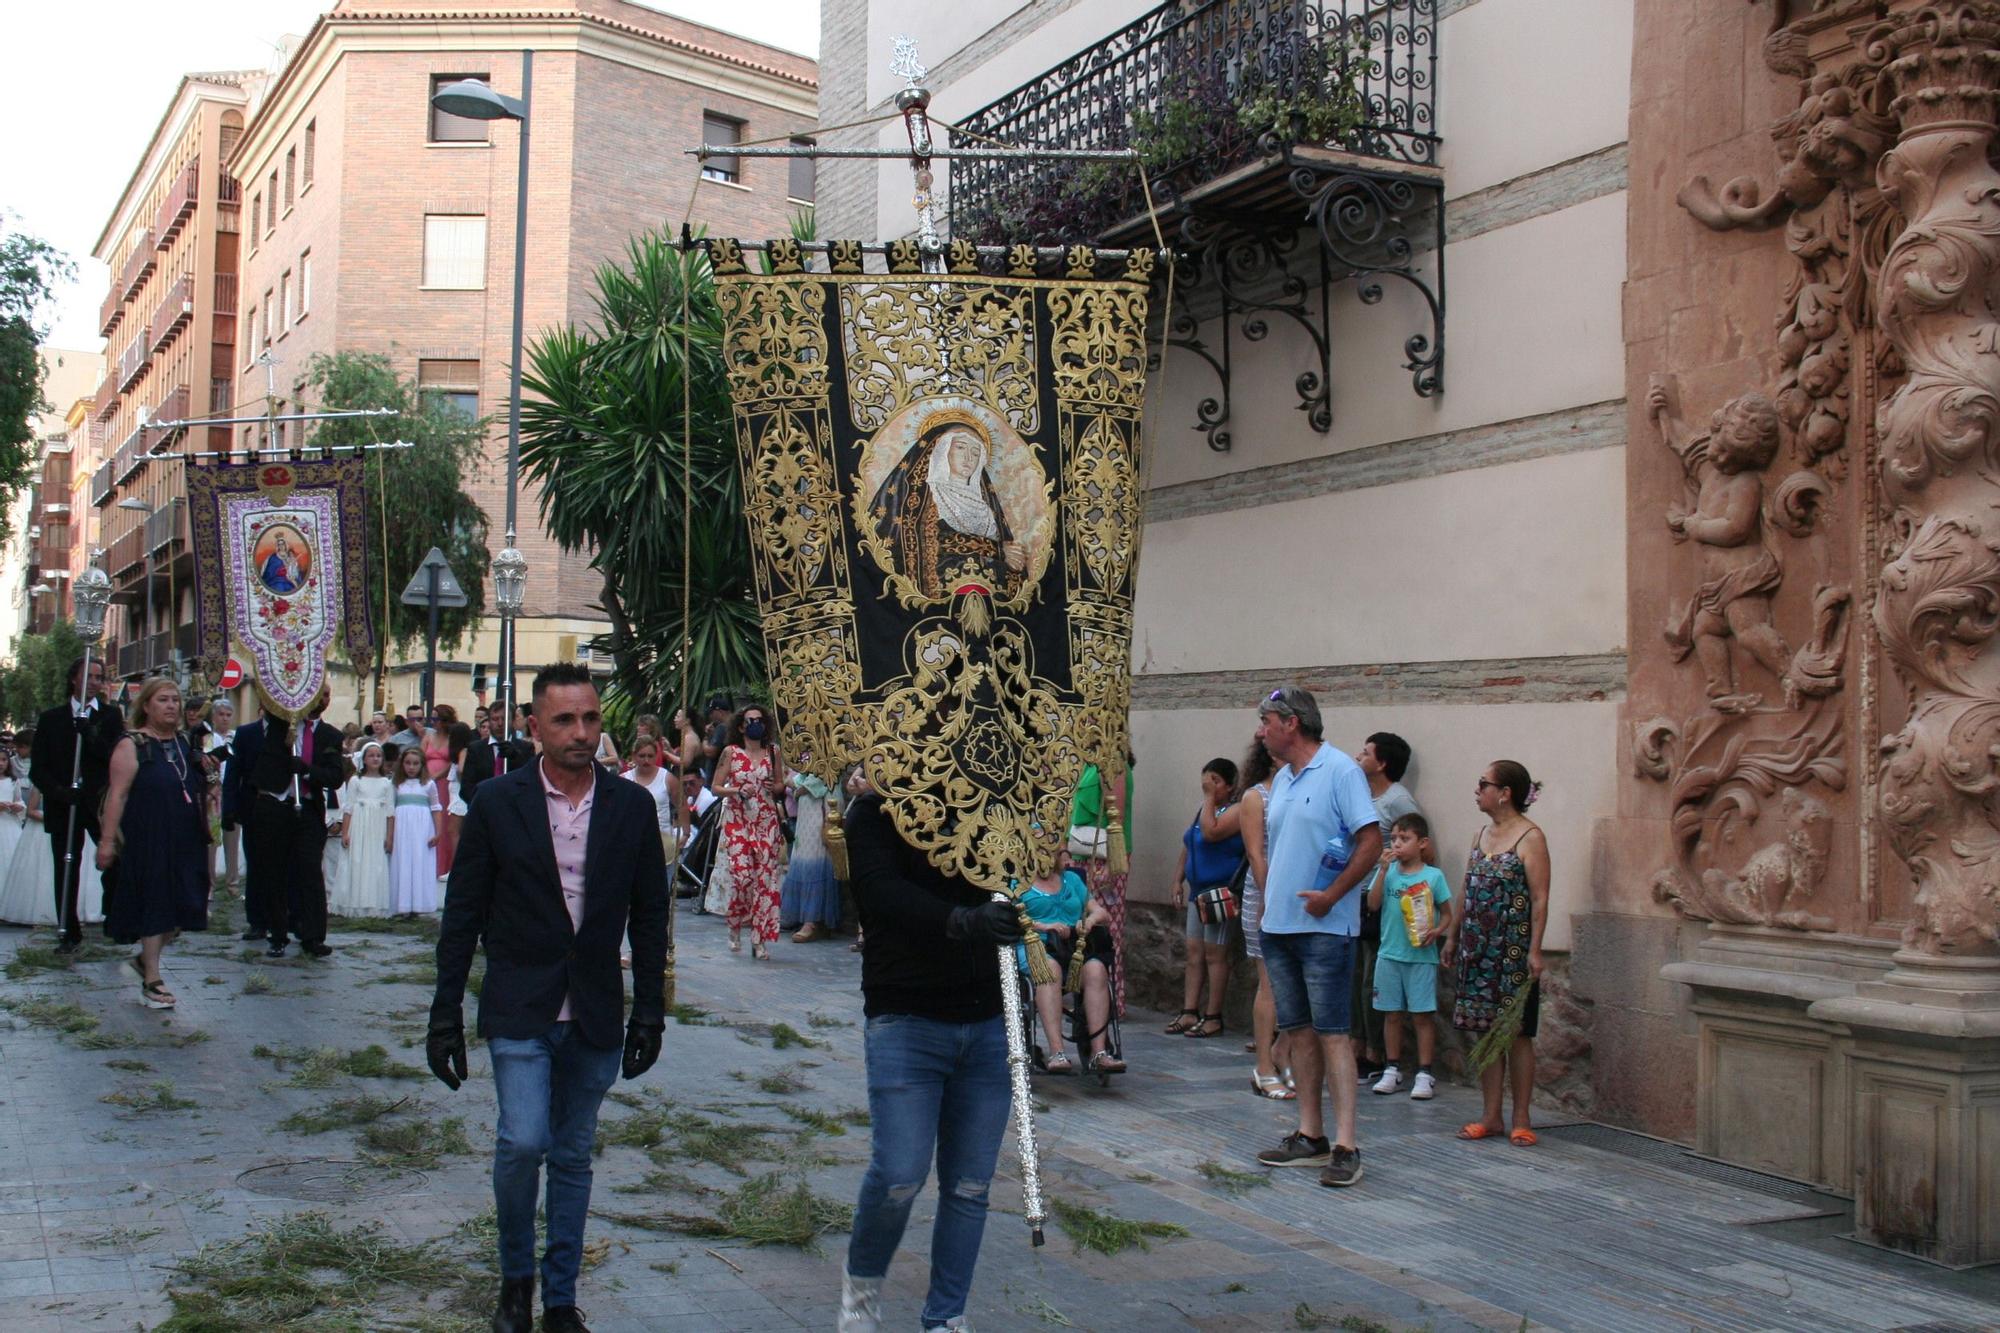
(69, 808)
(288, 773)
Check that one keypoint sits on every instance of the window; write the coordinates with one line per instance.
(447, 128)
(305, 283)
(271, 214)
(291, 175)
(312, 133)
(454, 250)
(250, 343)
(269, 306)
(256, 218)
(721, 131)
(456, 382)
(291, 311)
(800, 185)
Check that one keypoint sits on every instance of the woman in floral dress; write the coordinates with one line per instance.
(751, 781)
(1500, 945)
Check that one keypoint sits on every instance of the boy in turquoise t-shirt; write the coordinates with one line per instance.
(1406, 968)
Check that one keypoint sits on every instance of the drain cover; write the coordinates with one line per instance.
(322, 1181)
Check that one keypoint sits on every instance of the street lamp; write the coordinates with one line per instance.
(510, 589)
(474, 100)
(91, 593)
(138, 506)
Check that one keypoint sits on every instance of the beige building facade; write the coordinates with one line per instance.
(53, 525)
(378, 225)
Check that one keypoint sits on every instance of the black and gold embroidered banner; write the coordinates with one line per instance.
(941, 478)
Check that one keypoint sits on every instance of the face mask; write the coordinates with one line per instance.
(755, 729)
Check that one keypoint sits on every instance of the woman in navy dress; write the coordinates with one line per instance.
(156, 822)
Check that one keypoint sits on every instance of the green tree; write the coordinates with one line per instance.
(416, 496)
(37, 676)
(602, 438)
(29, 270)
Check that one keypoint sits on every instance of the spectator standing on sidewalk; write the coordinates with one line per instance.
(1251, 802)
(1384, 758)
(1325, 840)
(1407, 968)
(1211, 854)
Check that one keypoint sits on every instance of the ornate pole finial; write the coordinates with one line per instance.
(914, 102)
(905, 64)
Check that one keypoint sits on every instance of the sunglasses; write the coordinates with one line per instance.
(1484, 783)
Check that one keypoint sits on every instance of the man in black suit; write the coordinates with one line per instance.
(68, 813)
(287, 779)
(489, 757)
(556, 861)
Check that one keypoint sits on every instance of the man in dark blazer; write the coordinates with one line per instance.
(69, 812)
(287, 779)
(488, 757)
(556, 861)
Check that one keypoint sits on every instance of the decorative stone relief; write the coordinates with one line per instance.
(1937, 599)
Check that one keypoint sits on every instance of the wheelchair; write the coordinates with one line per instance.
(1075, 1025)
(697, 859)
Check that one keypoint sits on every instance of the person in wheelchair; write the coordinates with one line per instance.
(1067, 917)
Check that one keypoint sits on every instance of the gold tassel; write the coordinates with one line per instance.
(835, 836)
(1039, 970)
(1074, 984)
(1114, 846)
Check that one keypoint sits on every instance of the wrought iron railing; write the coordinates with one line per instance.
(1200, 89)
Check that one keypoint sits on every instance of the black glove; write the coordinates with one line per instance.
(642, 1045)
(444, 1049)
(989, 923)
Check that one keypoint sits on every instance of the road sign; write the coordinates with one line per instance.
(419, 590)
(232, 675)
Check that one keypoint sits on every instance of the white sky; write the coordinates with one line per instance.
(80, 108)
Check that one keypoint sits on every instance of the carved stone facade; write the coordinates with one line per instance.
(1816, 605)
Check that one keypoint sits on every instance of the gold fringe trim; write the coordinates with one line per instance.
(1114, 850)
(834, 834)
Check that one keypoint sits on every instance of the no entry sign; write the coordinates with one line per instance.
(232, 675)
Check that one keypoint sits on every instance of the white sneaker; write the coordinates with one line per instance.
(1425, 1089)
(1391, 1081)
(860, 1304)
(958, 1323)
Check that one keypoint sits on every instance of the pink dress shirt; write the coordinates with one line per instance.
(569, 830)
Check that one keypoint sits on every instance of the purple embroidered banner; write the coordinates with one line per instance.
(281, 573)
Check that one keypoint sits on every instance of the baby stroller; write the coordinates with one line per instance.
(1075, 1023)
(697, 860)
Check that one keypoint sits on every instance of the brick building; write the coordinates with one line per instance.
(377, 224)
(170, 324)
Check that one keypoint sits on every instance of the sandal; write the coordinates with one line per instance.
(1104, 1062)
(1271, 1086)
(1202, 1030)
(1188, 1018)
(1059, 1063)
(156, 995)
(736, 941)
(760, 951)
(1475, 1130)
(1523, 1138)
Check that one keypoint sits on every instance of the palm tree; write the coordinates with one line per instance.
(603, 438)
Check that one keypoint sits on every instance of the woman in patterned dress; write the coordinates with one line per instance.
(751, 781)
(1500, 945)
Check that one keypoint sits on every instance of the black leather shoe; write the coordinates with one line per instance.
(277, 949)
(317, 948)
(517, 1306)
(562, 1319)
(67, 945)
(254, 934)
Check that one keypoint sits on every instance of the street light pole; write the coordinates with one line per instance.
(476, 101)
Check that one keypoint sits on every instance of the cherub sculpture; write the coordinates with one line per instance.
(1724, 470)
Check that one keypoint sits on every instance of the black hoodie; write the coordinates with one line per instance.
(908, 964)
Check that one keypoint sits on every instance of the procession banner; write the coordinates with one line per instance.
(941, 479)
(281, 573)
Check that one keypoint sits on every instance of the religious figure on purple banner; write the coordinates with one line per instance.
(281, 565)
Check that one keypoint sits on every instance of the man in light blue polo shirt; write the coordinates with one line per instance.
(1308, 931)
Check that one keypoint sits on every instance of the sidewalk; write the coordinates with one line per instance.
(1594, 1230)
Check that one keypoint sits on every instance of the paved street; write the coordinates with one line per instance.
(99, 1200)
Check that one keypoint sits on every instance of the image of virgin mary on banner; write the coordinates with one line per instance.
(941, 478)
(281, 577)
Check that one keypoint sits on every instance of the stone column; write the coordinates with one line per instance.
(1925, 1063)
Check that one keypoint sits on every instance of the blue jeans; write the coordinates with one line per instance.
(931, 1083)
(549, 1089)
(1312, 980)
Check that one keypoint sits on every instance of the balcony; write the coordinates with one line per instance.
(132, 362)
(172, 406)
(1288, 146)
(107, 395)
(178, 206)
(101, 486)
(165, 525)
(112, 311)
(126, 461)
(228, 205)
(138, 265)
(126, 552)
(172, 314)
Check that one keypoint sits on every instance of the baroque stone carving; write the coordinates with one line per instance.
(1937, 601)
(1775, 883)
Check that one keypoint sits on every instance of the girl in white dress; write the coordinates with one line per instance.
(13, 807)
(28, 895)
(413, 838)
(366, 800)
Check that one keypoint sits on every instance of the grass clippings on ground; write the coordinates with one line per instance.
(419, 1144)
(126, 1065)
(1091, 1229)
(423, 927)
(819, 1122)
(828, 1021)
(258, 983)
(783, 1083)
(324, 1067)
(784, 1036)
(1229, 1181)
(158, 1096)
(758, 1212)
(344, 1113)
(688, 1015)
(67, 1019)
(121, 1238)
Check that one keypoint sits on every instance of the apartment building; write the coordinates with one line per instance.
(53, 529)
(379, 224)
(170, 325)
